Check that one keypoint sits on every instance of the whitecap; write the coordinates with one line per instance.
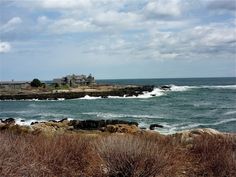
(219, 86)
(230, 113)
(155, 93)
(113, 115)
(196, 125)
(87, 97)
(60, 99)
(20, 121)
(176, 88)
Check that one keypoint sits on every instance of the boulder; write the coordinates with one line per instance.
(97, 124)
(32, 123)
(153, 126)
(121, 128)
(165, 87)
(9, 121)
(64, 120)
(187, 137)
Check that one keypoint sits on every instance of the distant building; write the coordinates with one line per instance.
(14, 84)
(75, 80)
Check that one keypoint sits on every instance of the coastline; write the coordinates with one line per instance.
(93, 91)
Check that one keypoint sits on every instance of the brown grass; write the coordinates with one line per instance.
(46, 156)
(216, 155)
(115, 155)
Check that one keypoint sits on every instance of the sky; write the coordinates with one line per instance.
(114, 39)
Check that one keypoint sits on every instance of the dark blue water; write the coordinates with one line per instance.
(192, 103)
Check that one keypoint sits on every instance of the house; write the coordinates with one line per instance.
(75, 80)
(14, 84)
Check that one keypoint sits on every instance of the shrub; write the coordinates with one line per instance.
(36, 83)
(216, 155)
(131, 156)
(57, 156)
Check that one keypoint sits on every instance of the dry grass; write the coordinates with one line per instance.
(115, 155)
(46, 156)
(215, 155)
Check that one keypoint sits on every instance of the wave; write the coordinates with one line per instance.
(87, 97)
(176, 88)
(20, 121)
(113, 115)
(196, 125)
(230, 113)
(155, 93)
(23, 122)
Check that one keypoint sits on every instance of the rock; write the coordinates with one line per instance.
(143, 128)
(52, 121)
(64, 120)
(32, 123)
(9, 121)
(202, 131)
(15, 128)
(121, 128)
(165, 87)
(153, 126)
(97, 124)
(187, 137)
(73, 122)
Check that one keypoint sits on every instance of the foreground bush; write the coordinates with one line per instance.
(216, 155)
(46, 156)
(116, 155)
(131, 156)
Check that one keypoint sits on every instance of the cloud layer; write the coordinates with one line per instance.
(121, 31)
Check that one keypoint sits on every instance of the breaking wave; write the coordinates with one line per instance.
(196, 125)
(113, 115)
(176, 88)
(87, 97)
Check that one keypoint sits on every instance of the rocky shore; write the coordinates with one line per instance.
(98, 127)
(95, 91)
(75, 126)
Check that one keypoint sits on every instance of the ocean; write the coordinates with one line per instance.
(191, 103)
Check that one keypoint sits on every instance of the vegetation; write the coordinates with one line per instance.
(115, 155)
(36, 83)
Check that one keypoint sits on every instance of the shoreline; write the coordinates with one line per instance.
(93, 91)
(68, 125)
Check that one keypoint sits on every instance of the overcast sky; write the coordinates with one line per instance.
(117, 38)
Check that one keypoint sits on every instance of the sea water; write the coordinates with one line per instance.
(191, 103)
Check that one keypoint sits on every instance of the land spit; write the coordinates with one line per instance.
(94, 91)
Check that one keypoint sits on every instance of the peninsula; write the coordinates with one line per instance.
(68, 87)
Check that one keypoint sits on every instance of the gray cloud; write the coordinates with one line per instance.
(222, 5)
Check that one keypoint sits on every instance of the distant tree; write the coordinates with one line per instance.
(66, 80)
(71, 83)
(36, 83)
(43, 85)
(57, 85)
